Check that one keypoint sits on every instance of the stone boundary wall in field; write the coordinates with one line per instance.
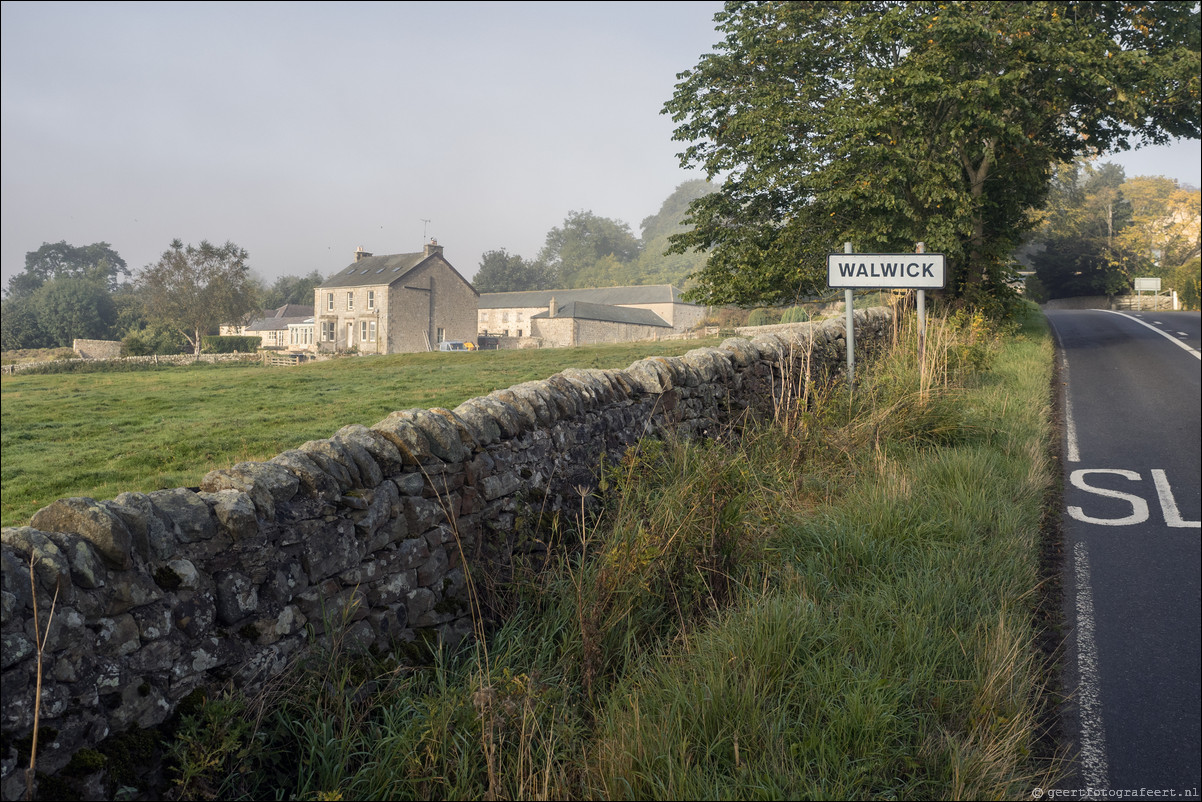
(373, 529)
(156, 359)
(97, 349)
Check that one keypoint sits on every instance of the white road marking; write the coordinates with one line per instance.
(1168, 504)
(1072, 453)
(1197, 354)
(1094, 769)
(1139, 507)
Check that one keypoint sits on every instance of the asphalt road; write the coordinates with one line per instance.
(1132, 383)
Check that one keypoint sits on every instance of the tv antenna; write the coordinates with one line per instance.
(425, 223)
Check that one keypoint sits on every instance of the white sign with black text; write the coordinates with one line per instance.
(901, 271)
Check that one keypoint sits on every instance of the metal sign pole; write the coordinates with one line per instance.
(922, 312)
(849, 302)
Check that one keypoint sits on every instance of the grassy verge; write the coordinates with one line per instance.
(839, 606)
(100, 434)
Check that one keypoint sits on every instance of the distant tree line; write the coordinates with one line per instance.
(1101, 230)
(69, 292)
(588, 250)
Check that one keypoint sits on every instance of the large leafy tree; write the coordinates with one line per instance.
(197, 288)
(502, 271)
(887, 123)
(291, 290)
(97, 262)
(63, 293)
(656, 264)
(1166, 223)
(74, 307)
(573, 251)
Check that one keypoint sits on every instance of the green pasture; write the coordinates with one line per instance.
(101, 434)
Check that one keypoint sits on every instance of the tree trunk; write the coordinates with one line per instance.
(975, 271)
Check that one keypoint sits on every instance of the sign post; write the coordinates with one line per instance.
(886, 271)
(1142, 285)
(922, 312)
(848, 304)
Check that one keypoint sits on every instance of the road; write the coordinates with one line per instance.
(1131, 388)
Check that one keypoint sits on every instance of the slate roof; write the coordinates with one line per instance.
(278, 323)
(374, 270)
(581, 310)
(292, 310)
(610, 296)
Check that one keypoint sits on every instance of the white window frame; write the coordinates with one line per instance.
(329, 302)
(371, 299)
(350, 301)
(327, 331)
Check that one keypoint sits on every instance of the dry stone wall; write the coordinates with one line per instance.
(377, 531)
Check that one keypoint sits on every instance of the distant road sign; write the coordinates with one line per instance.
(908, 271)
(1147, 285)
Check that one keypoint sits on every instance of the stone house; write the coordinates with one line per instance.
(394, 304)
(508, 314)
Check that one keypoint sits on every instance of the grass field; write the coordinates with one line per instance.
(101, 434)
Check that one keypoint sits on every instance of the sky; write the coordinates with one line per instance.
(302, 131)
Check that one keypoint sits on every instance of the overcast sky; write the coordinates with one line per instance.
(302, 131)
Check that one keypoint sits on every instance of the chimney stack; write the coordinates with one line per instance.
(552, 307)
(361, 254)
(433, 247)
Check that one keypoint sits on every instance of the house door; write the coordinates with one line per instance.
(350, 336)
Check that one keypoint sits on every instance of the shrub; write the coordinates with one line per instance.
(153, 340)
(795, 314)
(760, 317)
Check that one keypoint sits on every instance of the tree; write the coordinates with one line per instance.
(572, 251)
(97, 262)
(501, 271)
(63, 293)
(73, 307)
(19, 327)
(1080, 243)
(656, 264)
(887, 123)
(291, 290)
(1165, 223)
(196, 289)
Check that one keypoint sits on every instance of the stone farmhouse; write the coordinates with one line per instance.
(393, 304)
(588, 316)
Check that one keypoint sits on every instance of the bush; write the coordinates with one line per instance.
(795, 314)
(230, 344)
(760, 317)
(1188, 283)
(153, 340)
